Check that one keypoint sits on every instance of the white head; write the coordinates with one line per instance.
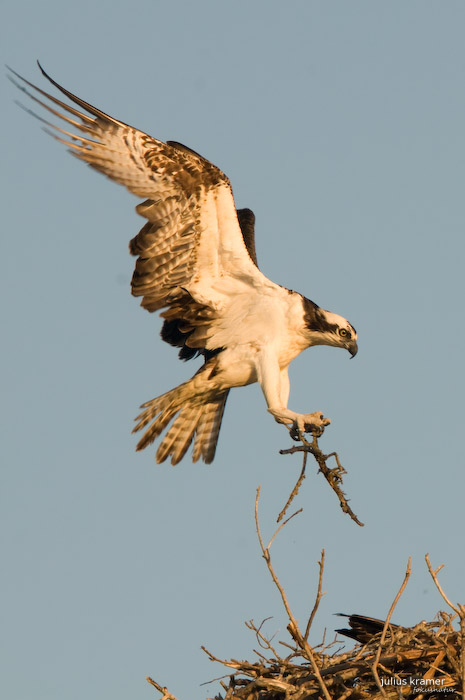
(325, 328)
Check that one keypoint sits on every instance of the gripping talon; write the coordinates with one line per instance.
(300, 423)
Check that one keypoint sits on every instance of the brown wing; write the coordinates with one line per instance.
(192, 236)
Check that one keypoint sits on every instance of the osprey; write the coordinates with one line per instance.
(196, 261)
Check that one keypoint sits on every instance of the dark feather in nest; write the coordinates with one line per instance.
(363, 628)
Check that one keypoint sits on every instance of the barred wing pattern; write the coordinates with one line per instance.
(191, 247)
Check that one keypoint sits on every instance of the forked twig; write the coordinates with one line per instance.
(263, 641)
(458, 609)
(333, 476)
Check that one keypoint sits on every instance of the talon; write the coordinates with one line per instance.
(295, 433)
(315, 422)
(300, 423)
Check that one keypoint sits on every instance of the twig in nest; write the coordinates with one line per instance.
(166, 695)
(459, 610)
(333, 476)
(319, 595)
(374, 667)
(232, 663)
(263, 641)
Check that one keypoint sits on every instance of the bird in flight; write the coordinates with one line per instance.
(196, 262)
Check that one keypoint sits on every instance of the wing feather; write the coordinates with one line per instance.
(193, 251)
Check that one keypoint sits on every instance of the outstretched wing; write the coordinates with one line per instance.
(195, 249)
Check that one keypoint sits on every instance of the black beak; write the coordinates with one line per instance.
(352, 347)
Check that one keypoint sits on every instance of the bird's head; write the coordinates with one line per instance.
(325, 328)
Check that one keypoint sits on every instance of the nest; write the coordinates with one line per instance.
(421, 661)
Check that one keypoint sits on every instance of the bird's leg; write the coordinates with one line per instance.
(275, 386)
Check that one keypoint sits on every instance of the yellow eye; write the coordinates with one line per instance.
(344, 333)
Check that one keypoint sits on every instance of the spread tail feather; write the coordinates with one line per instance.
(197, 416)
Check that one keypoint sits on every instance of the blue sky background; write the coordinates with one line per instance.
(341, 124)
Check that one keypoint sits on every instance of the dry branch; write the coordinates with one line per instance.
(293, 627)
(459, 610)
(319, 595)
(386, 625)
(332, 475)
(166, 695)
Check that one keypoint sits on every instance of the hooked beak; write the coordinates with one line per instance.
(352, 347)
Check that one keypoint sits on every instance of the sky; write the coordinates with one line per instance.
(341, 124)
